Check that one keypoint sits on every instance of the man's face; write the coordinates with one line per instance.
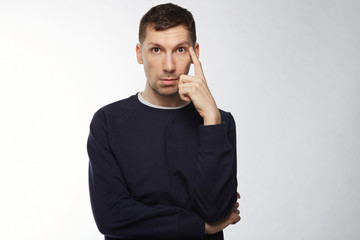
(165, 56)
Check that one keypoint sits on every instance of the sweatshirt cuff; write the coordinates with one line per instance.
(213, 136)
(190, 226)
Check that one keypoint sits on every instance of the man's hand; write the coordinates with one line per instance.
(232, 218)
(195, 89)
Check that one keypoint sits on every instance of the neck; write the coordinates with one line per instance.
(162, 100)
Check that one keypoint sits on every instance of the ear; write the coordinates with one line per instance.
(139, 54)
(197, 50)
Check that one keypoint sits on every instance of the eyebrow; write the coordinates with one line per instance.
(179, 44)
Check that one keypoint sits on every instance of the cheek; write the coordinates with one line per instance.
(152, 64)
(148, 67)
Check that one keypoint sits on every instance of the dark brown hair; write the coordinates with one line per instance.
(165, 16)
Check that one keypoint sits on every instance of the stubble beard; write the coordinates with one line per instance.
(162, 91)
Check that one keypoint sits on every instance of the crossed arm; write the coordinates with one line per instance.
(117, 214)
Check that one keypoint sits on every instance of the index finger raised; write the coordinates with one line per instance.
(197, 64)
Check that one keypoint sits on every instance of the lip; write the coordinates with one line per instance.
(168, 81)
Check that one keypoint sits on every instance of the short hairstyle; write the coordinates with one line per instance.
(165, 16)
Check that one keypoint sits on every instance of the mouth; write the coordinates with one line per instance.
(168, 81)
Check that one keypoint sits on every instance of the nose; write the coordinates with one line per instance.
(169, 64)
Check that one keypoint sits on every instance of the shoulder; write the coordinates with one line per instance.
(120, 105)
(116, 110)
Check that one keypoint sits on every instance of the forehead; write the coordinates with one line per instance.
(171, 36)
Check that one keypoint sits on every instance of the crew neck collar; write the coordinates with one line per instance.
(143, 101)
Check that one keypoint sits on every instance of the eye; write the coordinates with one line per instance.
(155, 50)
(181, 50)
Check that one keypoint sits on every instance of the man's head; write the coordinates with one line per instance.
(165, 16)
(166, 33)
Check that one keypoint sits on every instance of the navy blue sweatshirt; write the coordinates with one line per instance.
(160, 173)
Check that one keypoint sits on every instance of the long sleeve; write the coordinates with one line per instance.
(216, 183)
(116, 213)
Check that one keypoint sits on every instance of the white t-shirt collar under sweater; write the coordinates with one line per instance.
(143, 101)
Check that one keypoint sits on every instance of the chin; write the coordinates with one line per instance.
(167, 92)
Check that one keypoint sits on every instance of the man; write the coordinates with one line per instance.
(163, 162)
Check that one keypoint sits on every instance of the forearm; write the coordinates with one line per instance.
(131, 219)
(118, 215)
(216, 183)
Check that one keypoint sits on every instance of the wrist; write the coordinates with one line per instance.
(212, 118)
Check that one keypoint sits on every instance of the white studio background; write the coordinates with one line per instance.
(288, 71)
